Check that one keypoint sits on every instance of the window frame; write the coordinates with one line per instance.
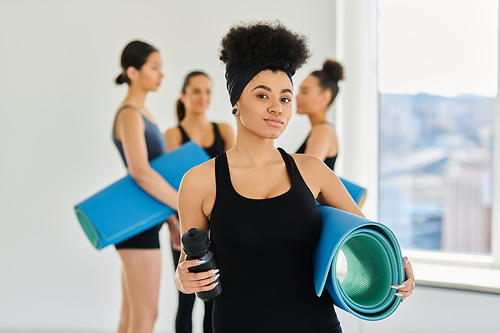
(356, 48)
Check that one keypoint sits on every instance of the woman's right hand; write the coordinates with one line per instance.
(189, 282)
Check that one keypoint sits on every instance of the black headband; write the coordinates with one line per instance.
(240, 73)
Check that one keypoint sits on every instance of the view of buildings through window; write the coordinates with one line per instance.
(437, 77)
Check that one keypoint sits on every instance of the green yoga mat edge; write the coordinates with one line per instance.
(337, 226)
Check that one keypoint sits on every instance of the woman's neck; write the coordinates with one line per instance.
(317, 118)
(250, 149)
(135, 97)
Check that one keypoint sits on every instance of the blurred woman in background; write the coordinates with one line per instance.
(139, 141)
(316, 94)
(214, 138)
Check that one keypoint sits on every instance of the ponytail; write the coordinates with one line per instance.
(329, 76)
(181, 110)
(121, 79)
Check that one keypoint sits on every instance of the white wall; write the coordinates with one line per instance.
(434, 310)
(58, 61)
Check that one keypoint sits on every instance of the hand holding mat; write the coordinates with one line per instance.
(123, 209)
(374, 264)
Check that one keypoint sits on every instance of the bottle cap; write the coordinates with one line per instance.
(195, 243)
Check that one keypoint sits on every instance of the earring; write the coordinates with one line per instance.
(235, 111)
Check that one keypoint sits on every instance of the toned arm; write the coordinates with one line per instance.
(196, 200)
(130, 131)
(324, 184)
(173, 137)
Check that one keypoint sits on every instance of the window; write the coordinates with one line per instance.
(437, 79)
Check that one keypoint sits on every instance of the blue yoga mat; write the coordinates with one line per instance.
(357, 192)
(123, 210)
(374, 264)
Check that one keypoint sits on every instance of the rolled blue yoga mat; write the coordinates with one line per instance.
(123, 210)
(374, 264)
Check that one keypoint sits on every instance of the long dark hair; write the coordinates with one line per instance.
(180, 108)
(135, 54)
(329, 77)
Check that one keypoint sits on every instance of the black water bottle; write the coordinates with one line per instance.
(196, 246)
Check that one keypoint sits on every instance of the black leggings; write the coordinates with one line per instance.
(183, 322)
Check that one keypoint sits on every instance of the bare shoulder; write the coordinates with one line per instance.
(198, 187)
(128, 114)
(200, 175)
(323, 129)
(172, 131)
(308, 163)
(128, 120)
(173, 137)
(324, 184)
(225, 128)
(314, 172)
(227, 134)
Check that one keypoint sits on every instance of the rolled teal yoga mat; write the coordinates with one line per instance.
(123, 210)
(374, 264)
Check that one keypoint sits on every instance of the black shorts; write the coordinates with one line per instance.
(148, 239)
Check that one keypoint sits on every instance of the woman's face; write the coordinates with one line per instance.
(310, 98)
(266, 104)
(198, 94)
(150, 75)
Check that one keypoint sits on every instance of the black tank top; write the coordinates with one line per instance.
(330, 161)
(265, 249)
(215, 148)
(155, 141)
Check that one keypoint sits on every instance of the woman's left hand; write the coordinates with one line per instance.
(405, 289)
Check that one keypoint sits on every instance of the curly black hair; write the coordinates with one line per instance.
(264, 41)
